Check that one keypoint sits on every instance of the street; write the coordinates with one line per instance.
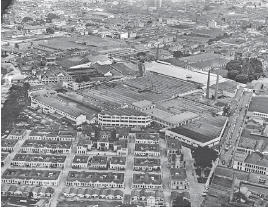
(195, 189)
(236, 123)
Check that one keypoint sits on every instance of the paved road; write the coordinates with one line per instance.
(195, 189)
(165, 170)
(233, 137)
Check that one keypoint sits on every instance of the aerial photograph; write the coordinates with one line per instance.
(134, 103)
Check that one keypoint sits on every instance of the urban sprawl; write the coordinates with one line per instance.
(147, 103)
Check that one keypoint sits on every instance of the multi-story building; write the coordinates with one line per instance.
(94, 179)
(31, 177)
(146, 138)
(118, 163)
(251, 162)
(123, 117)
(174, 153)
(147, 164)
(147, 150)
(84, 146)
(80, 161)
(17, 134)
(37, 160)
(178, 179)
(52, 105)
(54, 75)
(98, 162)
(8, 145)
(147, 181)
(40, 146)
(50, 134)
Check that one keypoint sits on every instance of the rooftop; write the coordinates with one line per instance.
(178, 174)
(142, 104)
(80, 159)
(118, 160)
(31, 174)
(147, 179)
(259, 104)
(147, 147)
(123, 112)
(39, 158)
(146, 162)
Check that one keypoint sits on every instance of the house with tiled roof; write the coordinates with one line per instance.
(147, 181)
(118, 163)
(178, 179)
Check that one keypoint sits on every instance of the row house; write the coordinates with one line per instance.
(4, 158)
(9, 145)
(37, 160)
(23, 191)
(147, 138)
(98, 162)
(80, 161)
(87, 193)
(40, 146)
(147, 181)
(31, 177)
(17, 134)
(95, 179)
(147, 164)
(118, 163)
(149, 197)
(254, 162)
(147, 150)
(50, 135)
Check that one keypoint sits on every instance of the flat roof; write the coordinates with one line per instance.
(181, 73)
(123, 112)
(259, 104)
(201, 130)
(142, 104)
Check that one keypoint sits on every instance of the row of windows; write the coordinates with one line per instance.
(93, 184)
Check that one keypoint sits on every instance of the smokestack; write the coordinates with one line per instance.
(217, 83)
(157, 52)
(208, 83)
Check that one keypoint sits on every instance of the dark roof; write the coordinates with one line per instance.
(178, 174)
(259, 104)
(147, 178)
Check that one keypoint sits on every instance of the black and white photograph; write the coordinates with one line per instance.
(134, 103)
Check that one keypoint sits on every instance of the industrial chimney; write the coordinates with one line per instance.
(208, 83)
(217, 82)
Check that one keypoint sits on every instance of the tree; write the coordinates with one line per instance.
(51, 16)
(177, 54)
(50, 30)
(180, 202)
(27, 19)
(242, 78)
(204, 156)
(233, 65)
(232, 74)
(17, 45)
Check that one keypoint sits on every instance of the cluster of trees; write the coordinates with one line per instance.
(50, 17)
(179, 54)
(244, 70)
(181, 202)
(27, 19)
(204, 156)
(50, 30)
(13, 105)
(217, 38)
